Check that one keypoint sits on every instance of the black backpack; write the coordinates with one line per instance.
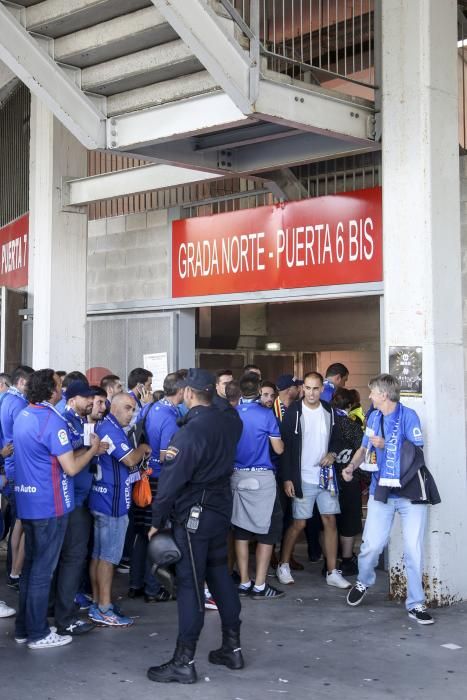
(138, 434)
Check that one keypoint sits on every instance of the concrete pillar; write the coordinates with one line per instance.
(186, 338)
(58, 246)
(422, 272)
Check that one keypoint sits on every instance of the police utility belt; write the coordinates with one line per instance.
(192, 523)
(194, 515)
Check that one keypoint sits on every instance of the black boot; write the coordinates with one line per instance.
(180, 669)
(230, 653)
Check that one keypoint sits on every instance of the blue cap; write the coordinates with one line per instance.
(285, 381)
(78, 388)
(198, 379)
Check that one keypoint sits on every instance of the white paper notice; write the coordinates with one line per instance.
(156, 363)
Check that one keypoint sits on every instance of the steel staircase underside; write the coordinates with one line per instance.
(176, 83)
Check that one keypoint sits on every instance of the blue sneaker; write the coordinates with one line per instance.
(83, 601)
(92, 609)
(117, 610)
(109, 618)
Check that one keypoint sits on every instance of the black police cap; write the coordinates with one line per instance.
(198, 379)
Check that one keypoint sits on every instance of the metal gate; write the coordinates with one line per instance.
(119, 343)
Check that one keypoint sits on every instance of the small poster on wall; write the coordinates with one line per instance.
(156, 363)
(405, 363)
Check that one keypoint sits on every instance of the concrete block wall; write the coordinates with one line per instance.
(128, 257)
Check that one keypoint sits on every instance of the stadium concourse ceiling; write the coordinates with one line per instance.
(184, 85)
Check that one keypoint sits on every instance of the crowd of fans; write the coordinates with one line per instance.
(74, 457)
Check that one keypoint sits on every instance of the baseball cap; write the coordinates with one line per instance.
(198, 379)
(285, 381)
(78, 388)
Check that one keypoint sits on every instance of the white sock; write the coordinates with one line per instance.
(245, 585)
(260, 588)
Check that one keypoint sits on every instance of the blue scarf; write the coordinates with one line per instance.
(328, 480)
(389, 471)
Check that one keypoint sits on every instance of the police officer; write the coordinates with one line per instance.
(194, 491)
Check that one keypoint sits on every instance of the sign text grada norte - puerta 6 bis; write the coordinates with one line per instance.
(331, 240)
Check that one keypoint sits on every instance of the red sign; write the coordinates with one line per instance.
(14, 242)
(311, 243)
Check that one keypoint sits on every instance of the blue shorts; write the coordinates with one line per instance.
(302, 508)
(109, 537)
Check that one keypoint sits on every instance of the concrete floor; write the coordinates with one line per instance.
(309, 644)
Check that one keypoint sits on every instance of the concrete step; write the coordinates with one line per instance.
(56, 18)
(140, 69)
(115, 38)
(160, 93)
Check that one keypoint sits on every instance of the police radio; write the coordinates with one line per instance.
(193, 519)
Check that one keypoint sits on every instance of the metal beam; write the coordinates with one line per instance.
(222, 56)
(243, 136)
(254, 161)
(175, 120)
(304, 148)
(8, 82)
(21, 53)
(279, 103)
(132, 181)
(314, 109)
(284, 185)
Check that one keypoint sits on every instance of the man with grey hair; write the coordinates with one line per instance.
(389, 427)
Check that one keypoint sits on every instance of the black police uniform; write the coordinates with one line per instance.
(197, 469)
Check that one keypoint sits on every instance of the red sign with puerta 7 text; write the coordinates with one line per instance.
(14, 246)
(316, 242)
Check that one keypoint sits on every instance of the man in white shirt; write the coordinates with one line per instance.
(308, 433)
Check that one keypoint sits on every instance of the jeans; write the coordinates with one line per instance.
(109, 537)
(209, 545)
(376, 536)
(70, 566)
(140, 566)
(43, 542)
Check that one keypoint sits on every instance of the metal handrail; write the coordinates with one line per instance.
(319, 39)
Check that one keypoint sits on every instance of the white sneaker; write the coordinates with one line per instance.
(5, 610)
(23, 640)
(283, 574)
(52, 640)
(336, 579)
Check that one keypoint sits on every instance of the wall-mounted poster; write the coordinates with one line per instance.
(156, 363)
(405, 363)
